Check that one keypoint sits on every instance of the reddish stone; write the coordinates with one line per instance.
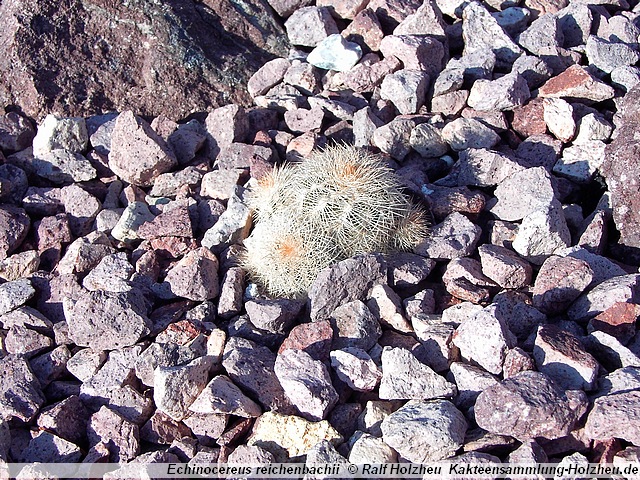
(174, 223)
(173, 247)
(576, 82)
(365, 30)
(529, 119)
(313, 338)
(619, 320)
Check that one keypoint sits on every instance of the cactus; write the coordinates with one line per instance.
(339, 202)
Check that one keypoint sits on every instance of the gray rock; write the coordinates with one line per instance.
(121, 436)
(220, 184)
(463, 133)
(484, 168)
(306, 382)
(603, 268)
(593, 126)
(61, 133)
(365, 122)
(470, 381)
(542, 35)
(406, 89)
(354, 326)
(436, 349)
(335, 53)
(394, 137)
(455, 237)
(176, 388)
(49, 448)
(625, 77)
(14, 294)
(168, 184)
(167, 355)
(619, 381)
(345, 282)
(408, 269)
(186, 140)
(558, 115)
(623, 288)
(449, 80)
(416, 52)
(561, 356)
(250, 366)
(404, 377)
(222, 396)
(85, 363)
(231, 292)
(20, 393)
(106, 321)
(308, 26)
(505, 93)
(450, 104)
(529, 405)
(609, 351)
(20, 340)
(579, 162)
(206, 427)
(425, 431)
(386, 305)
(367, 449)
(485, 338)
(195, 276)
(480, 31)
(504, 267)
(63, 167)
(252, 455)
(513, 20)
(84, 254)
(225, 125)
(232, 226)
(559, 282)
(575, 21)
(277, 316)
(427, 140)
(534, 70)
(111, 274)
(615, 415)
(356, 369)
(542, 233)
(607, 55)
(133, 216)
(50, 366)
(302, 120)
(523, 193)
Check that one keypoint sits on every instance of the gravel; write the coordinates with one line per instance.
(130, 331)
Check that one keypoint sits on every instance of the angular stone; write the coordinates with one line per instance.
(288, 436)
(408, 269)
(455, 237)
(302, 120)
(484, 168)
(610, 352)
(20, 340)
(63, 167)
(394, 137)
(356, 369)
(406, 89)
(232, 226)
(20, 393)
(14, 294)
(485, 339)
(49, 448)
(348, 280)
(561, 357)
(106, 321)
(618, 321)
(425, 431)
(463, 133)
(558, 115)
(250, 366)
(416, 52)
(607, 55)
(504, 267)
(559, 282)
(542, 233)
(576, 83)
(133, 216)
(52, 365)
(615, 415)
(267, 76)
(16, 132)
(222, 396)
(308, 26)
(404, 377)
(450, 104)
(366, 448)
(138, 154)
(67, 419)
(195, 276)
(623, 288)
(111, 274)
(505, 93)
(313, 337)
(273, 315)
(365, 30)
(176, 388)
(386, 305)
(539, 151)
(61, 133)
(121, 436)
(528, 119)
(14, 224)
(168, 184)
(534, 191)
(580, 162)
(427, 140)
(480, 31)
(335, 53)
(162, 429)
(470, 381)
(529, 405)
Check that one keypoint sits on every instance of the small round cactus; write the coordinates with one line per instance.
(339, 202)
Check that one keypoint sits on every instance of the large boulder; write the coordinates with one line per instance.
(171, 58)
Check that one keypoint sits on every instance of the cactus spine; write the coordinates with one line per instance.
(337, 203)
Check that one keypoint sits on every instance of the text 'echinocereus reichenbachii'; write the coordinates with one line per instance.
(339, 202)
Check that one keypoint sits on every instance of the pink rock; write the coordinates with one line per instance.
(576, 82)
(559, 282)
(195, 276)
(365, 30)
(504, 266)
(138, 154)
(268, 76)
(415, 52)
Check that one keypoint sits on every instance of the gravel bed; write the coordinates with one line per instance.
(130, 331)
